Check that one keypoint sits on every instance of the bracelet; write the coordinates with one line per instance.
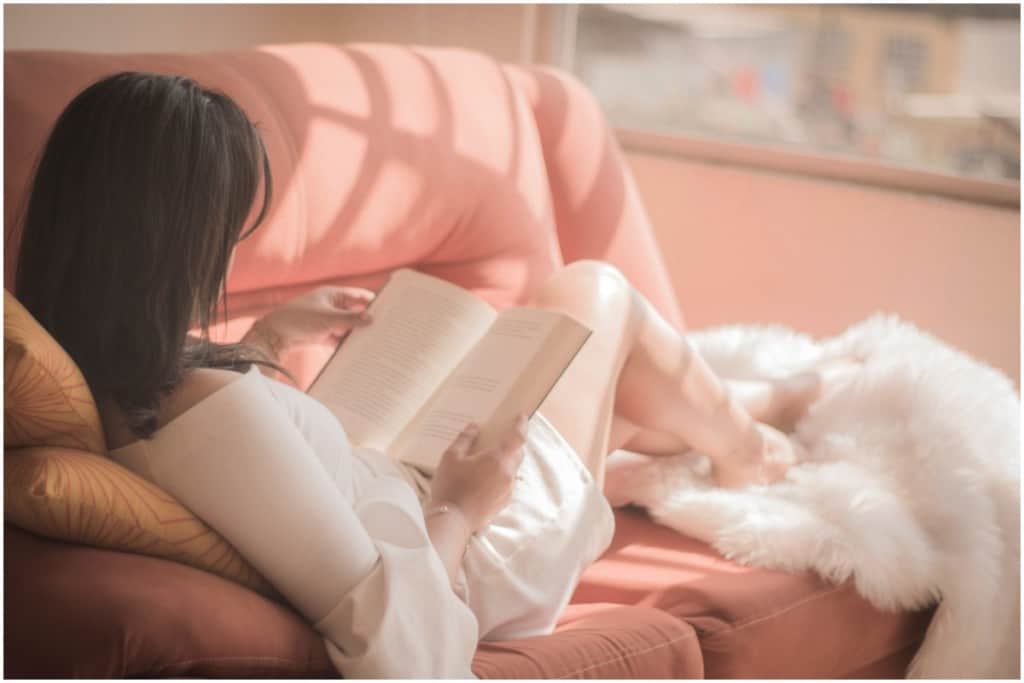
(434, 509)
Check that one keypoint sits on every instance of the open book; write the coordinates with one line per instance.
(434, 359)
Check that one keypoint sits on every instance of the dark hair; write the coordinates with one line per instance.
(139, 198)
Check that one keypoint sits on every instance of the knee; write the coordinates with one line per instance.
(595, 282)
(594, 271)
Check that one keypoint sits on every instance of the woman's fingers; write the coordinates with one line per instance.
(511, 451)
(509, 448)
(356, 317)
(341, 322)
(464, 440)
(522, 425)
(480, 482)
(513, 442)
(348, 297)
(517, 436)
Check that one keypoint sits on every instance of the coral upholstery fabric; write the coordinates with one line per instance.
(752, 623)
(71, 610)
(603, 640)
(485, 174)
(144, 616)
(386, 156)
(46, 399)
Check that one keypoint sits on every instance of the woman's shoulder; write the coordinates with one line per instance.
(196, 386)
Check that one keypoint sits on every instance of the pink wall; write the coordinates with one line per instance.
(750, 246)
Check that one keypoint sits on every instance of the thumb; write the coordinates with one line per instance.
(341, 322)
(348, 297)
(464, 440)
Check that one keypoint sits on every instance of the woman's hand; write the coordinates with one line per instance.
(321, 316)
(479, 483)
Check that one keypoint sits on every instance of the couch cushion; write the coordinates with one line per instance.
(71, 495)
(599, 641)
(46, 399)
(75, 611)
(752, 623)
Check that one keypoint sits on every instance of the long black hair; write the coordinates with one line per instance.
(140, 195)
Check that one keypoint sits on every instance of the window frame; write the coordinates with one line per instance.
(835, 167)
(555, 42)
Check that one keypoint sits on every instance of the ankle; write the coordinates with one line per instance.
(749, 447)
(736, 428)
(739, 438)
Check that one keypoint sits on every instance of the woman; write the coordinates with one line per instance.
(146, 185)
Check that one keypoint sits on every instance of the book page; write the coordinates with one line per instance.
(382, 373)
(486, 381)
(535, 383)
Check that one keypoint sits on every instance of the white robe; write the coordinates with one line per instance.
(381, 599)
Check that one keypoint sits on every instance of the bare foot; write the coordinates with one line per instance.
(793, 395)
(766, 461)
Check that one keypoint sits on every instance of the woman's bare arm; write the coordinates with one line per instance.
(468, 489)
(266, 341)
(449, 533)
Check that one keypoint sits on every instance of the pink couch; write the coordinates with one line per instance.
(486, 174)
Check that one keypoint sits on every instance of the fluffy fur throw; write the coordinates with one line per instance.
(911, 488)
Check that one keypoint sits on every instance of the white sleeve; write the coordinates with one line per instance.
(368, 579)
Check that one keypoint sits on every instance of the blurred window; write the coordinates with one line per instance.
(904, 63)
(932, 86)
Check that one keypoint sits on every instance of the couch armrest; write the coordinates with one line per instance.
(599, 213)
(75, 611)
(600, 640)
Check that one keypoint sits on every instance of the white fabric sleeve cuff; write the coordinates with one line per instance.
(405, 599)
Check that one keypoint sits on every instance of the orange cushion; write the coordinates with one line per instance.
(46, 399)
(71, 495)
(752, 623)
(57, 484)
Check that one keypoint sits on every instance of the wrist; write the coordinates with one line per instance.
(434, 509)
(265, 336)
(729, 429)
(449, 532)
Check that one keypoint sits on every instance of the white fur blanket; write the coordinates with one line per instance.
(911, 487)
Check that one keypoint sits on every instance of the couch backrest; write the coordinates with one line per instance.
(386, 156)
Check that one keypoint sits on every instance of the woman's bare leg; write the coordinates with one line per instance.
(638, 383)
(781, 402)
